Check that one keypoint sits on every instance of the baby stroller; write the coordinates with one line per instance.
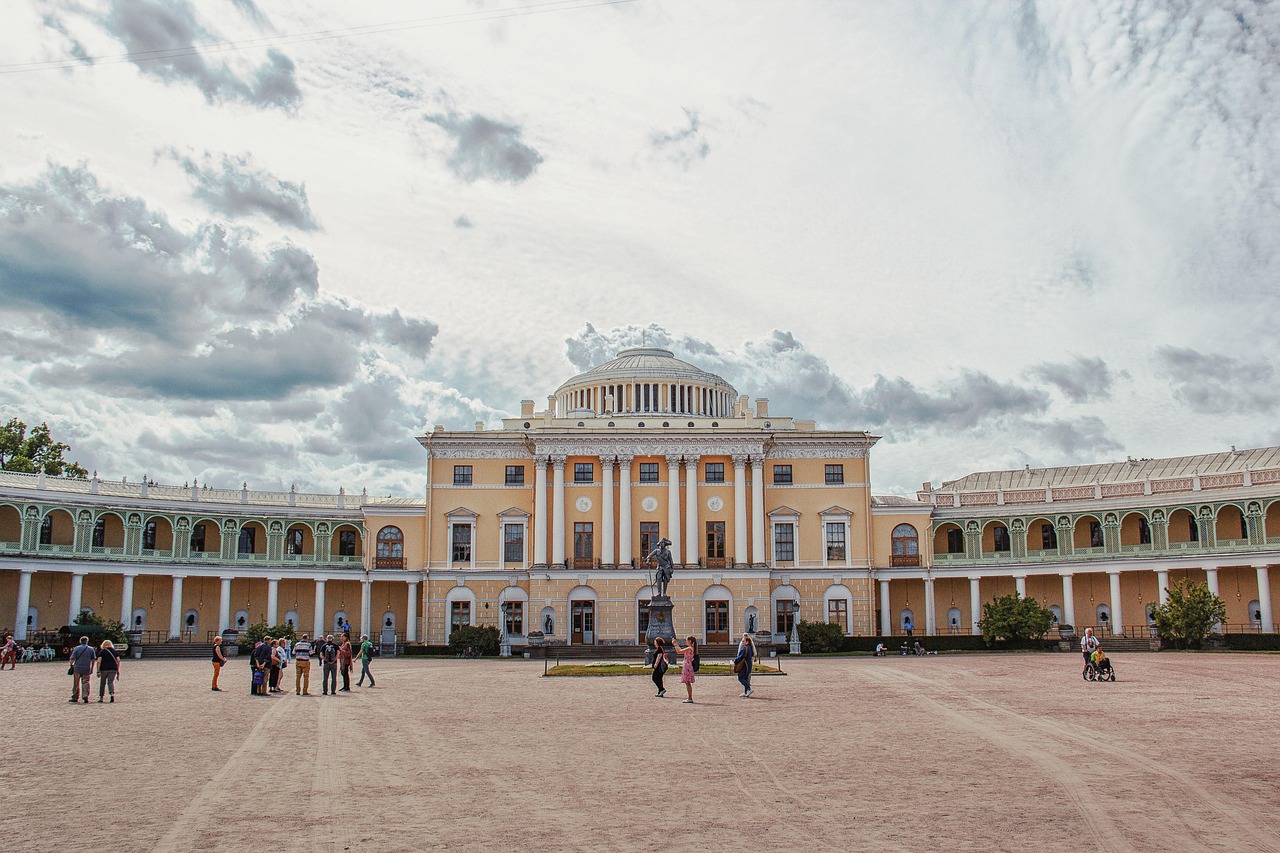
(1100, 669)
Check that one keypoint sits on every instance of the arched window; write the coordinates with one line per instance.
(906, 546)
(390, 548)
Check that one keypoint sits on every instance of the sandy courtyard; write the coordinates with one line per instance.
(958, 753)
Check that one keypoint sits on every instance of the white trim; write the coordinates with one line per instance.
(839, 592)
(471, 522)
(458, 593)
(505, 518)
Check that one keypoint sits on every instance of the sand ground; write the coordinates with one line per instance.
(980, 752)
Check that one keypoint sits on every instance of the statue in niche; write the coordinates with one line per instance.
(665, 566)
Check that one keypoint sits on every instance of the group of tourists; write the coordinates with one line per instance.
(85, 659)
(743, 662)
(270, 657)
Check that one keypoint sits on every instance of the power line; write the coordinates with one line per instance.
(161, 54)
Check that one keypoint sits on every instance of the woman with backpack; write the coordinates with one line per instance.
(687, 668)
(659, 665)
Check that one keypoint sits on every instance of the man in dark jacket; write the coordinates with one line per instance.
(261, 662)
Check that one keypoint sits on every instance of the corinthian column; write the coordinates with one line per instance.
(691, 511)
(606, 511)
(740, 509)
(757, 510)
(673, 505)
(557, 511)
(624, 510)
(540, 511)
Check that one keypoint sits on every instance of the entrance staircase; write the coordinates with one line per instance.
(1129, 644)
(177, 651)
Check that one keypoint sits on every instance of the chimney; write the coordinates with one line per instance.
(439, 428)
(762, 407)
(740, 410)
(526, 408)
(479, 426)
(551, 404)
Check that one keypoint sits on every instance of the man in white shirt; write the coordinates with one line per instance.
(1088, 644)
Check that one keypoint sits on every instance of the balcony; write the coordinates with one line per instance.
(911, 559)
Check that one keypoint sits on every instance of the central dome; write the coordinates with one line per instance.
(645, 379)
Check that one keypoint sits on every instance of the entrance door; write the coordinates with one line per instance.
(642, 623)
(582, 623)
(717, 621)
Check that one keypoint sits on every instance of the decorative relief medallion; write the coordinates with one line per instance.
(714, 503)
(649, 504)
(583, 504)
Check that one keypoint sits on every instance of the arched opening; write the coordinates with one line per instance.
(1183, 528)
(190, 623)
(299, 542)
(1055, 614)
(33, 619)
(346, 542)
(241, 622)
(157, 536)
(460, 607)
(387, 628)
(1271, 522)
(1255, 615)
(907, 621)
(1135, 531)
(785, 600)
(1087, 534)
(582, 616)
(837, 606)
(905, 542)
(717, 611)
(949, 539)
(751, 620)
(513, 608)
(108, 534)
(953, 620)
(340, 621)
(10, 524)
(390, 548)
(252, 540)
(995, 538)
(548, 621)
(1102, 623)
(1042, 536)
(139, 620)
(291, 619)
(206, 537)
(57, 531)
(1230, 527)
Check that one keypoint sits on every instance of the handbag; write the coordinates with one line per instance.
(737, 665)
(71, 670)
(257, 676)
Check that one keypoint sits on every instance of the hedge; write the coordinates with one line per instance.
(940, 643)
(419, 650)
(1253, 642)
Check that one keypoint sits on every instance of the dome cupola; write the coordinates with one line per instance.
(645, 379)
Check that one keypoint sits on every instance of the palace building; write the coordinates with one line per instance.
(544, 525)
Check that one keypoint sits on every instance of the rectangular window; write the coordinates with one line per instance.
(648, 537)
(197, 539)
(460, 614)
(149, 536)
(1244, 528)
(648, 472)
(294, 540)
(99, 533)
(955, 541)
(835, 541)
(346, 543)
(782, 475)
(1048, 537)
(515, 617)
(1193, 529)
(834, 474)
(46, 530)
(583, 544)
(642, 625)
(462, 543)
(515, 475)
(784, 543)
(838, 613)
(715, 472)
(1095, 534)
(584, 472)
(784, 616)
(462, 475)
(513, 543)
(715, 540)
(247, 540)
(1144, 532)
(1000, 538)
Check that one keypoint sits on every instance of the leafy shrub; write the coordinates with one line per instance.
(1016, 620)
(259, 630)
(1188, 615)
(1253, 642)
(820, 637)
(482, 640)
(111, 629)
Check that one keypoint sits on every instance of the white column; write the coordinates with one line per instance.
(1117, 622)
(624, 510)
(320, 623)
(1162, 581)
(557, 512)
(886, 618)
(1068, 601)
(1211, 580)
(411, 614)
(606, 511)
(24, 604)
(740, 510)
(366, 588)
(757, 511)
(1264, 598)
(673, 506)
(930, 617)
(126, 602)
(175, 609)
(1020, 584)
(77, 592)
(273, 601)
(975, 604)
(691, 511)
(224, 606)
(539, 512)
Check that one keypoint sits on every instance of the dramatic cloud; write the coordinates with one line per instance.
(1219, 384)
(161, 39)
(484, 148)
(236, 186)
(1080, 380)
(685, 146)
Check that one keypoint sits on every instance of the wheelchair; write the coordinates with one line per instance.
(1092, 672)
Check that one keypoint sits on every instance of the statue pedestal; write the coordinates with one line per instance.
(659, 626)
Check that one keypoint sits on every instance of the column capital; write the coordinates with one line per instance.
(740, 461)
(275, 579)
(625, 460)
(757, 462)
(1113, 572)
(177, 575)
(81, 573)
(1263, 566)
(220, 577)
(691, 458)
(558, 462)
(540, 463)
(673, 461)
(130, 574)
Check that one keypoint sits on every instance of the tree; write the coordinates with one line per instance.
(1014, 619)
(112, 629)
(31, 454)
(1188, 615)
(820, 637)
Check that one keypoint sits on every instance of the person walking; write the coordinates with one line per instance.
(366, 655)
(686, 668)
(302, 666)
(108, 670)
(659, 665)
(345, 658)
(82, 658)
(743, 661)
(10, 654)
(218, 659)
(1088, 644)
(329, 664)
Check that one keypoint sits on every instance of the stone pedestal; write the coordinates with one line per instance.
(660, 625)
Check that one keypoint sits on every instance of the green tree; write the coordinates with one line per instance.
(258, 630)
(112, 629)
(1014, 619)
(819, 637)
(35, 452)
(1188, 615)
(479, 639)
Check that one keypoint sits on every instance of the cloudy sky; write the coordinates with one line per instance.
(273, 242)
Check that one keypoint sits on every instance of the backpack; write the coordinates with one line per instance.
(330, 653)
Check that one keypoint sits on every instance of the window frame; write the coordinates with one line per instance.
(713, 472)
(830, 547)
(782, 475)
(507, 543)
(463, 475)
(649, 538)
(650, 473)
(514, 475)
(460, 552)
(833, 474)
(584, 472)
(789, 541)
(388, 550)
